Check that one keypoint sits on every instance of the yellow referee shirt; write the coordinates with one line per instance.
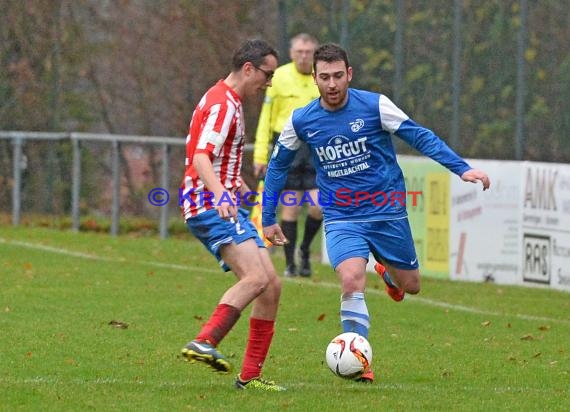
(289, 90)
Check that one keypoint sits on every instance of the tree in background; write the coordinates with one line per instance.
(139, 66)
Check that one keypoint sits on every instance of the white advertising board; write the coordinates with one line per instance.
(545, 256)
(518, 232)
(485, 225)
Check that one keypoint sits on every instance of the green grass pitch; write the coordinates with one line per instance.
(455, 347)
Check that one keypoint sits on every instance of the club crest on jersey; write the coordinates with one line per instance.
(341, 148)
(356, 125)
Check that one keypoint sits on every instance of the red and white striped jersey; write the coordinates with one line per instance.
(218, 129)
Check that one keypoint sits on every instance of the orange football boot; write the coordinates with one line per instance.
(367, 377)
(395, 293)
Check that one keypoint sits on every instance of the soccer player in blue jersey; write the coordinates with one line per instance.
(361, 185)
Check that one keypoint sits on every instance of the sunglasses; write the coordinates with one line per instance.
(268, 74)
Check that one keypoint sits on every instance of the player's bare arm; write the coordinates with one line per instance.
(475, 175)
(204, 167)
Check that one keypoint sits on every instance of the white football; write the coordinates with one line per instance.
(349, 355)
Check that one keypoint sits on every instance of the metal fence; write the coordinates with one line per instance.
(107, 150)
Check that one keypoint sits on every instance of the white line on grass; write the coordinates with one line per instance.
(431, 302)
(82, 255)
(415, 388)
(416, 299)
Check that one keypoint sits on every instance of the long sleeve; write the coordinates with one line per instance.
(264, 133)
(277, 171)
(395, 121)
(426, 142)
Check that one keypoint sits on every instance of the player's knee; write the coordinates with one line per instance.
(258, 283)
(412, 286)
(260, 287)
(315, 212)
(352, 281)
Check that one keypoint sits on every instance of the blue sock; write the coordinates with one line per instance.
(354, 314)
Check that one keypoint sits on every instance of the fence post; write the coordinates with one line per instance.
(75, 183)
(456, 73)
(399, 53)
(116, 200)
(164, 185)
(521, 81)
(16, 189)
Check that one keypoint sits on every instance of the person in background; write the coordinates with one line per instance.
(360, 182)
(211, 184)
(293, 87)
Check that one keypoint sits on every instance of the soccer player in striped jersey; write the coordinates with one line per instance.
(211, 191)
(361, 185)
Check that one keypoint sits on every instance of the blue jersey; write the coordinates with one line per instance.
(357, 172)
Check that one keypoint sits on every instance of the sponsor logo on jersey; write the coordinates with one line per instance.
(341, 148)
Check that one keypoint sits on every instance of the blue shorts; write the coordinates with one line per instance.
(213, 231)
(388, 240)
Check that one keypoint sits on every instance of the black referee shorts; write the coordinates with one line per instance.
(302, 175)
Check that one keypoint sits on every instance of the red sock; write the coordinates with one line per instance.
(260, 336)
(220, 323)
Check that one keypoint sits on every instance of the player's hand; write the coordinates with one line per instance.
(475, 175)
(275, 235)
(227, 205)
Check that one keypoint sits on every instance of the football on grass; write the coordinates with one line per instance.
(349, 355)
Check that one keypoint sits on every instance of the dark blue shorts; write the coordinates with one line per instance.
(388, 240)
(213, 231)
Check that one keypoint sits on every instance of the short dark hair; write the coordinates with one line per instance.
(253, 51)
(330, 52)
